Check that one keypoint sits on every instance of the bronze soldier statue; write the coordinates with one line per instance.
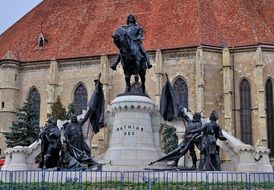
(188, 144)
(74, 136)
(76, 145)
(209, 153)
(51, 144)
(193, 124)
(170, 109)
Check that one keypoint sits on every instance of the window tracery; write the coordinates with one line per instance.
(245, 112)
(80, 99)
(181, 91)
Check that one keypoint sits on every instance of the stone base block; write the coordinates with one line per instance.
(134, 134)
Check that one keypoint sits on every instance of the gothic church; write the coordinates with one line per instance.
(219, 55)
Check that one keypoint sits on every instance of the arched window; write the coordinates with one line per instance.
(181, 91)
(34, 99)
(269, 115)
(80, 98)
(245, 112)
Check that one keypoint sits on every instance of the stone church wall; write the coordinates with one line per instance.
(268, 59)
(73, 73)
(182, 64)
(34, 78)
(203, 69)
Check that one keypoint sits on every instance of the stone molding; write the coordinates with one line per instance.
(132, 103)
(33, 68)
(9, 66)
(78, 64)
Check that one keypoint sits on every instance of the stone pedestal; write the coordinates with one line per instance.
(134, 133)
(262, 159)
(16, 159)
(246, 159)
(22, 158)
(243, 157)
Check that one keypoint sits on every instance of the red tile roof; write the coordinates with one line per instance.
(77, 28)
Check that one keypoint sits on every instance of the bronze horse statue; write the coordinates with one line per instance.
(131, 57)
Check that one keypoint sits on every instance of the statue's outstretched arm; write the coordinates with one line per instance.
(183, 115)
(197, 130)
(221, 135)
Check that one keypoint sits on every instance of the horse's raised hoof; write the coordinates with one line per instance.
(149, 65)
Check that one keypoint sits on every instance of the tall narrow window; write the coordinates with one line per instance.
(41, 40)
(80, 98)
(34, 99)
(245, 112)
(269, 115)
(181, 91)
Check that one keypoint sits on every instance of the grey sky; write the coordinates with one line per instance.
(12, 10)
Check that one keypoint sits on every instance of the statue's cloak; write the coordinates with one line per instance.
(178, 152)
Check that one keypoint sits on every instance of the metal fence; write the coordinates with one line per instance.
(186, 180)
(143, 180)
(162, 180)
(261, 180)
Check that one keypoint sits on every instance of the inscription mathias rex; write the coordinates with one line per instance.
(129, 130)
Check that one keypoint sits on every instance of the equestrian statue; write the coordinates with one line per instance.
(133, 57)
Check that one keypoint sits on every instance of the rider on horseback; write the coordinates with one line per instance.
(135, 32)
